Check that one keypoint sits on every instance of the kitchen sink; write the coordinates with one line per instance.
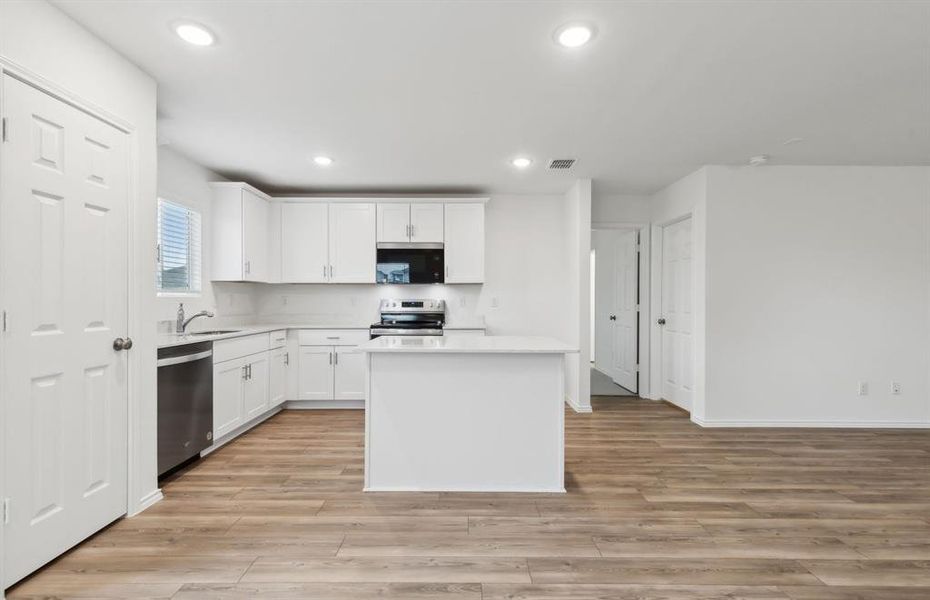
(215, 332)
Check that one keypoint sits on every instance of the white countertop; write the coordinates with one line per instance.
(167, 340)
(487, 344)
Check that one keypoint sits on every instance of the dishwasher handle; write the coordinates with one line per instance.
(186, 358)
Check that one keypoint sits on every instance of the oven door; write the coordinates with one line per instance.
(402, 264)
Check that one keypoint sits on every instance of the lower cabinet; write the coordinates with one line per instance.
(255, 386)
(228, 390)
(277, 379)
(331, 373)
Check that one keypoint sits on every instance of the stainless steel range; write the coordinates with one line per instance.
(410, 317)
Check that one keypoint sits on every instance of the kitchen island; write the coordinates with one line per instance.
(466, 414)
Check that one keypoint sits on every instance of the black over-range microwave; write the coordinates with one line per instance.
(410, 263)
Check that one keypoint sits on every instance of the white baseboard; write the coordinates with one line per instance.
(321, 404)
(577, 407)
(219, 443)
(148, 501)
(709, 423)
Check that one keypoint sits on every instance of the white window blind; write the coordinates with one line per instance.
(179, 249)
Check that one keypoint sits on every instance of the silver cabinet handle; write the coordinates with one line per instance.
(330, 271)
(287, 358)
(324, 271)
(661, 321)
(447, 271)
(248, 267)
(245, 373)
(412, 232)
(122, 344)
(336, 354)
(330, 358)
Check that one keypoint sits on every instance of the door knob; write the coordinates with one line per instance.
(661, 321)
(122, 344)
(613, 317)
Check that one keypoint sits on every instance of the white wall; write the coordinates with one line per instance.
(39, 38)
(685, 198)
(818, 278)
(577, 318)
(186, 182)
(620, 208)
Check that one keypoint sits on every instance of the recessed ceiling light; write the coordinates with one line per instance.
(521, 162)
(758, 161)
(574, 35)
(195, 34)
(323, 161)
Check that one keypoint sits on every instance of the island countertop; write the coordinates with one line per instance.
(486, 344)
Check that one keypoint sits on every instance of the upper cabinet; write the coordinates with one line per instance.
(326, 240)
(352, 243)
(304, 242)
(420, 222)
(464, 242)
(241, 245)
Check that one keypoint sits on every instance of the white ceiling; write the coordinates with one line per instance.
(439, 96)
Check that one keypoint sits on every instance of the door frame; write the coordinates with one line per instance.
(658, 237)
(645, 297)
(135, 300)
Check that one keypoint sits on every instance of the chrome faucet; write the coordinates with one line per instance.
(182, 323)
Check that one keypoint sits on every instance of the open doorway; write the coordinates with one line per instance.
(616, 300)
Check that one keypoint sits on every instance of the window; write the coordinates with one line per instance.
(179, 241)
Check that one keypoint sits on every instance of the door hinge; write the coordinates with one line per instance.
(6, 511)
(3, 127)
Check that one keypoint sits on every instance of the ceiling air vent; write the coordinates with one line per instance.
(561, 164)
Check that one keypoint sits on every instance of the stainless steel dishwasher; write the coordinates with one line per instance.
(185, 403)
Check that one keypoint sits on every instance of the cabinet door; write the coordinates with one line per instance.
(304, 242)
(254, 237)
(394, 223)
(426, 223)
(350, 374)
(352, 243)
(464, 243)
(315, 366)
(255, 394)
(228, 383)
(277, 377)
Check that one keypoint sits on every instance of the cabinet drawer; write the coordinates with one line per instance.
(332, 337)
(278, 338)
(237, 347)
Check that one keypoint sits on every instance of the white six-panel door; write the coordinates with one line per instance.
(624, 338)
(63, 213)
(677, 344)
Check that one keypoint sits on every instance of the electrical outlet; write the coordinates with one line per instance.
(895, 388)
(863, 388)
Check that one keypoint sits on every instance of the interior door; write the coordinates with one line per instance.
(625, 314)
(605, 255)
(63, 271)
(254, 237)
(349, 382)
(315, 373)
(352, 253)
(426, 223)
(677, 344)
(304, 242)
(394, 223)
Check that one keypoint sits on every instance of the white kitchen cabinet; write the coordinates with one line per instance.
(255, 386)
(394, 222)
(241, 246)
(464, 243)
(348, 374)
(427, 223)
(277, 376)
(304, 242)
(315, 366)
(228, 380)
(352, 242)
(420, 222)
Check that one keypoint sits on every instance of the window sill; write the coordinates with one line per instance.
(179, 294)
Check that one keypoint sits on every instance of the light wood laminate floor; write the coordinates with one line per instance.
(657, 508)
